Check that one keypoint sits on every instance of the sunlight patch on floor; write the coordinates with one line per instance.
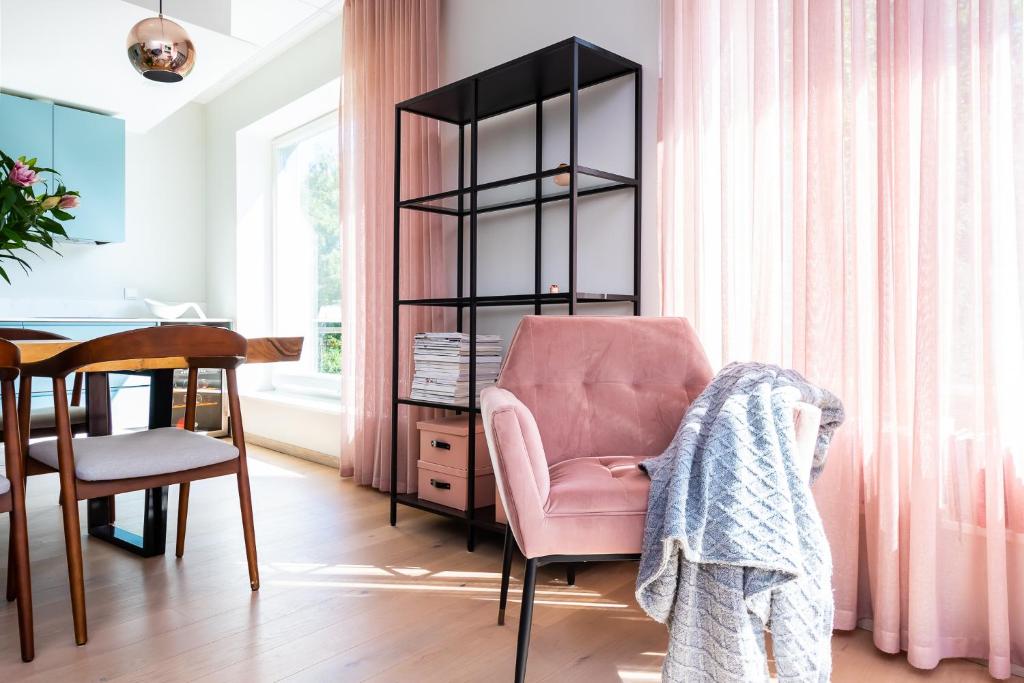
(493, 576)
(262, 468)
(634, 676)
(560, 598)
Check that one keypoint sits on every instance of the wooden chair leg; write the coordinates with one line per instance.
(18, 579)
(20, 569)
(76, 571)
(191, 394)
(12, 578)
(570, 574)
(69, 510)
(506, 573)
(244, 495)
(245, 500)
(183, 489)
(526, 619)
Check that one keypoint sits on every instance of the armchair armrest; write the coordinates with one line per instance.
(517, 455)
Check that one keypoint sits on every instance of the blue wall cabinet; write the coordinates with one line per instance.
(26, 129)
(88, 150)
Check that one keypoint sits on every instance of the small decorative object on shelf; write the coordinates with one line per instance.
(28, 219)
(562, 69)
(562, 179)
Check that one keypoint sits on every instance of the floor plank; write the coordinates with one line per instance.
(344, 597)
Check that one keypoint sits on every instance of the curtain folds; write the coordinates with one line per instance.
(842, 191)
(389, 53)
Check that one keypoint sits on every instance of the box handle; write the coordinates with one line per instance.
(443, 445)
(440, 484)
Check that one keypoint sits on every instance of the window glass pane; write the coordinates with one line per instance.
(307, 251)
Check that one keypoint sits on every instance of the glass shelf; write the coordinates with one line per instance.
(518, 191)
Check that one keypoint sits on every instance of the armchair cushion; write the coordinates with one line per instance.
(138, 454)
(598, 486)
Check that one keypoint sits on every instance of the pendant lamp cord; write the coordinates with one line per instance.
(161, 11)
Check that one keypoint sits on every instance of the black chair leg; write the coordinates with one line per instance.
(526, 619)
(570, 574)
(506, 573)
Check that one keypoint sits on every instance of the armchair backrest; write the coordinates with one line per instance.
(602, 386)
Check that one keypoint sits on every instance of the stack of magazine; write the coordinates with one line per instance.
(442, 366)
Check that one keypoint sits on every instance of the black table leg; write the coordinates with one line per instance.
(153, 540)
(97, 402)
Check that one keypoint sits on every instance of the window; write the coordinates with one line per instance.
(307, 254)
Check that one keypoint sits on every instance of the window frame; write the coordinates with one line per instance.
(286, 377)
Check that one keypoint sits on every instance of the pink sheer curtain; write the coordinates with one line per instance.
(842, 191)
(390, 53)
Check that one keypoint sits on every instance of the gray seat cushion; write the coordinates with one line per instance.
(138, 454)
(44, 418)
(5, 485)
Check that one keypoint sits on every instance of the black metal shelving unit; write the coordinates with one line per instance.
(555, 71)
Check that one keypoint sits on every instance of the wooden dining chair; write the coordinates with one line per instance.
(12, 499)
(100, 466)
(43, 421)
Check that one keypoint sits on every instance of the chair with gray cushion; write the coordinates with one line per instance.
(12, 501)
(101, 466)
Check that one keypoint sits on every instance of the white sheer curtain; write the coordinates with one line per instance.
(842, 191)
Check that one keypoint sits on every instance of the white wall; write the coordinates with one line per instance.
(164, 252)
(302, 69)
(478, 35)
(239, 126)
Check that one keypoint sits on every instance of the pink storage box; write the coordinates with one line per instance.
(445, 441)
(450, 486)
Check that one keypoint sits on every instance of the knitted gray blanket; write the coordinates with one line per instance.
(733, 542)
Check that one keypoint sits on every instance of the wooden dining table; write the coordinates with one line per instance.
(101, 511)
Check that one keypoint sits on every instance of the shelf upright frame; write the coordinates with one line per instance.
(637, 167)
(460, 248)
(471, 445)
(395, 317)
(574, 170)
(538, 207)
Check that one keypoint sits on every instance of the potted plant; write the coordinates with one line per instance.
(28, 219)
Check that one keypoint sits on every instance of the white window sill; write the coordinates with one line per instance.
(320, 404)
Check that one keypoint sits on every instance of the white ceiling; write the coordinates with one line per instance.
(74, 51)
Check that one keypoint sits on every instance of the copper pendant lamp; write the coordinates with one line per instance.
(160, 49)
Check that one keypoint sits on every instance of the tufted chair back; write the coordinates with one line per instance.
(605, 386)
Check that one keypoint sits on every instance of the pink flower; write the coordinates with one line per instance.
(68, 201)
(23, 176)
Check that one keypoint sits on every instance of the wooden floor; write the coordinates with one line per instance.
(345, 597)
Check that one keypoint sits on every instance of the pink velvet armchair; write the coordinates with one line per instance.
(580, 402)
